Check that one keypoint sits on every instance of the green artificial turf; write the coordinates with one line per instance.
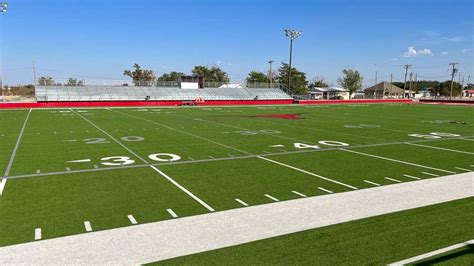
(219, 151)
(372, 241)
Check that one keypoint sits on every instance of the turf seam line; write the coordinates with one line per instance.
(148, 164)
(307, 172)
(398, 161)
(439, 148)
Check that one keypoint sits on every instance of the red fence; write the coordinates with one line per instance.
(178, 103)
(353, 101)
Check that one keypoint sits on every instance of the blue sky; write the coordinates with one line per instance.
(99, 39)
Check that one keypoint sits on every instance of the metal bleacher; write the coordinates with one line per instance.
(136, 93)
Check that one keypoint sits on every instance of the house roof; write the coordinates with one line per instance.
(329, 89)
(385, 86)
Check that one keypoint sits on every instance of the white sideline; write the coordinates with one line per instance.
(432, 253)
(151, 242)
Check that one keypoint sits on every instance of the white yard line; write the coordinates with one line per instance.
(433, 253)
(431, 174)
(325, 190)
(12, 157)
(242, 202)
(38, 234)
(372, 183)
(132, 219)
(271, 197)
(412, 177)
(299, 194)
(87, 226)
(182, 132)
(439, 148)
(464, 169)
(172, 213)
(398, 161)
(151, 166)
(266, 153)
(167, 239)
(306, 172)
(394, 180)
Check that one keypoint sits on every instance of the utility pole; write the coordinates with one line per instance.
(293, 34)
(405, 82)
(410, 84)
(453, 64)
(34, 74)
(270, 73)
(3, 9)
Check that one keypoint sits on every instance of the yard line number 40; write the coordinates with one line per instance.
(434, 135)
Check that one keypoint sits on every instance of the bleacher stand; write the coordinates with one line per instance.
(135, 93)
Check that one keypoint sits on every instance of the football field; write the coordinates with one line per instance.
(72, 171)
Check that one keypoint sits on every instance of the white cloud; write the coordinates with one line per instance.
(455, 39)
(444, 53)
(424, 52)
(412, 52)
(465, 51)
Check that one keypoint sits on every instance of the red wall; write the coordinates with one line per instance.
(353, 101)
(177, 103)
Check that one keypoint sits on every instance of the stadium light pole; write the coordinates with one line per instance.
(292, 34)
(3, 9)
(270, 74)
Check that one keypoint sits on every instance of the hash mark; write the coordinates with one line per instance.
(271, 197)
(325, 190)
(242, 202)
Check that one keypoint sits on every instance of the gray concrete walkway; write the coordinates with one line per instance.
(172, 238)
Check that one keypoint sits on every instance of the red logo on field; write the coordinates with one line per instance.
(281, 116)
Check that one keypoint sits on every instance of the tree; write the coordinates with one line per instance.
(318, 83)
(46, 81)
(298, 82)
(140, 77)
(74, 82)
(351, 81)
(172, 76)
(255, 76)
(212, 74)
